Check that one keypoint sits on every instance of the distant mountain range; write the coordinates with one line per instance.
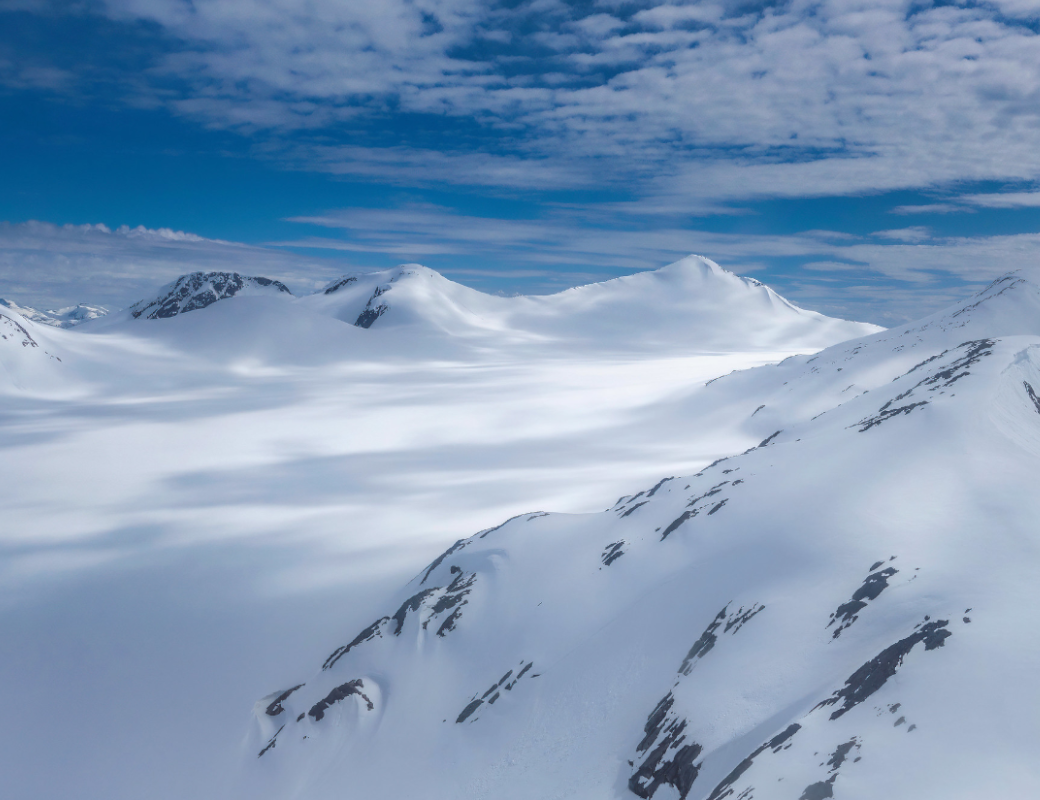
(691, 302)
(57, 318)
(413, 311)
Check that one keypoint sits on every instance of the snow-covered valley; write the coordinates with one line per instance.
(223, 532)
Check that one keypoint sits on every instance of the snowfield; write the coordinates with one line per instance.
(257, 546)
(838, 611)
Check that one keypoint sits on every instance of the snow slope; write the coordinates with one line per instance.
(842, 610)
(195, 504)
(28, 357)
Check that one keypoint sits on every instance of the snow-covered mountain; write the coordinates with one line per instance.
(844, 610)
(413, 313)
(57, 318)
(200, 289)
(693, 302)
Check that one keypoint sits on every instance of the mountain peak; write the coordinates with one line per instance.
(692, 302)
(199, 289)
(57, 318)
(1009, 306)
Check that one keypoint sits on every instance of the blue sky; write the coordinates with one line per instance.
(874, 160)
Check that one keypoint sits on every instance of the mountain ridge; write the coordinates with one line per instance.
(197, 290)
(66, 317)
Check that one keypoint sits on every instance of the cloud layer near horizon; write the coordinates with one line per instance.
(50, 266)
(888, 277)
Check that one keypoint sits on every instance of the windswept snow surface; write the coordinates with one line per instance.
(846, 609)
(199, 508)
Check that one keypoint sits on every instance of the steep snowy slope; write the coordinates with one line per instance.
(691, 303)
(28, 358)
(841, 611)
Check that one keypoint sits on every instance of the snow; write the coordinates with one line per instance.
(874, 565)
(203, 508)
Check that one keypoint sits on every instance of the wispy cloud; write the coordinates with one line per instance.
(1003, 200)
(48, 265)
(929, 208)
(708, 101)
(968, 203)
(914, 234)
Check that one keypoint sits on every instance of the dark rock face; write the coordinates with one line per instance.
(887, 414)
(872, 587)
(371, 632)
(411, 604)
(453, 599)
(820, 790)
(658, 485)
(503, 684)
(373, 310)
(1032, 396)
(693, 509)
(671, 759)
(453, 549)
(341, 692)
(875, 673)
(724, 789)
(971, 353)
(467, 712)
(275, 708)
(198, 290)
(733, 623)
(270, 743)
(841, 753)
(766, 442)
(612, 553)
(337, 285)
(703, 644)
(449, 599)
(675, 523)
(370, 315)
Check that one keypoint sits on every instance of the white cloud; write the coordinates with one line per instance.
(929, 208)
(803, 98)
(911, 235)
(1003, 200)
